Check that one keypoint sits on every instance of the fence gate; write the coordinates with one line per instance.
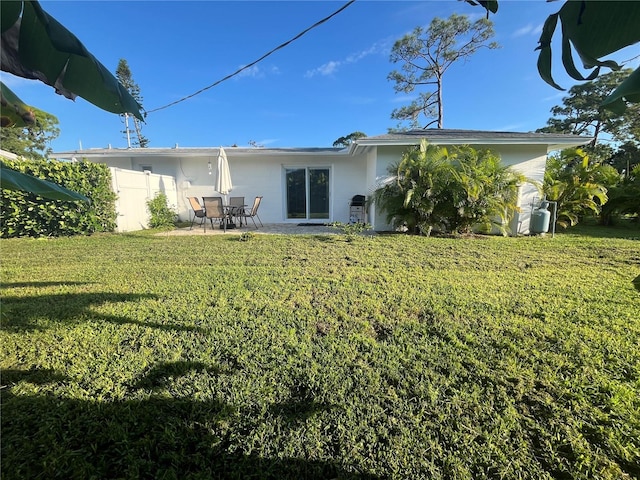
(134, 189)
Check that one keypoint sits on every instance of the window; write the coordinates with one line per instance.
(307, 192)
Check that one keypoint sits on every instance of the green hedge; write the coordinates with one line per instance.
(28, 215)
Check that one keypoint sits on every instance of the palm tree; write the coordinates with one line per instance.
(578, 185)
(457, 190)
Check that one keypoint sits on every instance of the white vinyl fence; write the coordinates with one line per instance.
(134, 189)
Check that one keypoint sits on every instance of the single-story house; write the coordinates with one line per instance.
(317, 184)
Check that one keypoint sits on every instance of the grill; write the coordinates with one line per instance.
(357, 212)
(357, 201)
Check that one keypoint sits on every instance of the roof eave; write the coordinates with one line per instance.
(553, 143)
(568, 144)
(192, 152)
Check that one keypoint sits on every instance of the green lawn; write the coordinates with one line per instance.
(140, 356)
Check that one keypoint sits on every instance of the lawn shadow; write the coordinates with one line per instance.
(38, 312)
(626, 230)
(61, 283)
(38, 376)
(49, 436)
(300, 405)
(161, 374)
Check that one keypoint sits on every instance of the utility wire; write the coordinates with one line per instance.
(255, 61)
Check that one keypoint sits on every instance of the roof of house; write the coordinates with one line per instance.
(553, 141)
(442, 136)
(193, 152)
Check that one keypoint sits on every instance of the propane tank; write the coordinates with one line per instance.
(540, 218)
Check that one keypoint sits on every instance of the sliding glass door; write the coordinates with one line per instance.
(307, 191)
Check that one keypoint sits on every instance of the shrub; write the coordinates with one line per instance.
(246, 236)
(579, 185)
(449, 191)
(26, 214)
(624, 199)
(351, 230)
(162, 216)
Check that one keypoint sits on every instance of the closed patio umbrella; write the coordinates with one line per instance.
(223, 175)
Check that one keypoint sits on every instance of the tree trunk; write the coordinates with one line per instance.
(596, 132)
(440, 106)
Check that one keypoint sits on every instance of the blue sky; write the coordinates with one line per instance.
(327, 84)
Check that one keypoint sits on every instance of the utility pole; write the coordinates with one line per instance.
(126, 129)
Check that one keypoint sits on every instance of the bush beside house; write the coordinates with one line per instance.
(26, 214)
(161, 214)
(450, 190)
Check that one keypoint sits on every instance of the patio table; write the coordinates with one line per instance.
(232, 211)
(235, 211)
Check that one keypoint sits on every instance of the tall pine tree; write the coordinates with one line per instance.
(124, 76)
(425, 55)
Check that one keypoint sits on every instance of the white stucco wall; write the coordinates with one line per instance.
(263, 175)
(161, 165)
(530, 160)
(527, 159)
(383, 158)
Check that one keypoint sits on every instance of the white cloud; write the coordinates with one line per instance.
(253, 72)
(527, 30)
(332, 66)
(256, 71)
(324, 70)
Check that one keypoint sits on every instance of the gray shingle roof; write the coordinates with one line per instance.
(457, 135)
(193, 152)
(442, 136)
(412, 137)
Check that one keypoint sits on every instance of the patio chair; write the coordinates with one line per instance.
(214, 210)
(237, 205)
(198, 211)
(253, 212)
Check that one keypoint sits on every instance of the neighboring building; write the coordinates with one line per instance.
(317, 184)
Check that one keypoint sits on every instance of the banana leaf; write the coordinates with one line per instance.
(629, 89)
(13, 111)
(488, 5)
(14, 180)
(37, 46)
(594, 30)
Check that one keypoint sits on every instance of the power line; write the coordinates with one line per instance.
(255, 61)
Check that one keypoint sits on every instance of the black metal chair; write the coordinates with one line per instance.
(198, 211)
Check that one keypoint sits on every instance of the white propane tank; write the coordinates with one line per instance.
(540, 218)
